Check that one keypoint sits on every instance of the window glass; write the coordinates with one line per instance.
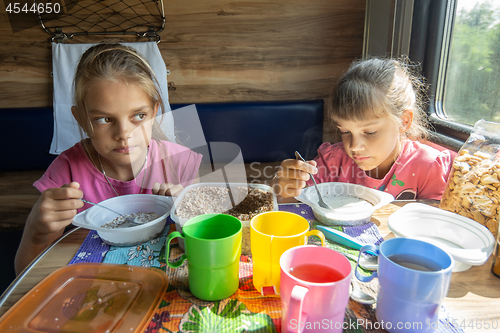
(472, 87)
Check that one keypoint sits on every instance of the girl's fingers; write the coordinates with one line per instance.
(175, 190)
(291, 192)
(58, 206)
(55, 222)
(57, 210)
(305, 167)
(61, 204)
(293, 188)
(292, 173)
(72, 185)
(159, 189)
(314, 164)
(167, 189)
(54, 215)
(287, 188)
(163, 189)
(60, 199)
(65, 192)
(156, 188)
(292, 176)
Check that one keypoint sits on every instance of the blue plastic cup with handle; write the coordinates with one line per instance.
(414, 277)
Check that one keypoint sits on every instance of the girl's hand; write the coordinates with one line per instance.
(167, 189)
(292, 176)
(53, 211)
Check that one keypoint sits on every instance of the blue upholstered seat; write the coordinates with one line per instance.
(265, 131)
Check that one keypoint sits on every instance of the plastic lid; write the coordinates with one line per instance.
(465, 239)
(89, 297)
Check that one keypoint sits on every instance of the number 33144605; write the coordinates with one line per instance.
(40, 8)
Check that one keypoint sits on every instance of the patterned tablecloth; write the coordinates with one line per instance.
(246, 310)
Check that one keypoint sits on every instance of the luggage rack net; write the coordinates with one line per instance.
(143, 18)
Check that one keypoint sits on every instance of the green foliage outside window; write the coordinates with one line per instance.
(472, 89)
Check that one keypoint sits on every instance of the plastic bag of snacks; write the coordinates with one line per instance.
(473, 188)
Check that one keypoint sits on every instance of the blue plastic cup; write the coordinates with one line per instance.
(414, 277)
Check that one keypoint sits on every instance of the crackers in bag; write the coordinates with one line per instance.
(473, 185)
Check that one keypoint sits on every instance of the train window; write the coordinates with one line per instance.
(472, 82)
(458, 44)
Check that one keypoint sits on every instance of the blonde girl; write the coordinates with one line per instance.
(377, 110)
(118, 105)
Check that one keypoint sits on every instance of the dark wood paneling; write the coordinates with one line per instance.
(17, 197)
(216, 51)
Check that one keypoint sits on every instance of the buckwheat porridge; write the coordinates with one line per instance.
(216, 200)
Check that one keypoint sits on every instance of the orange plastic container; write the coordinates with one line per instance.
(89, 297)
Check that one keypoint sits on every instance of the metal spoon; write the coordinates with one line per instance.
(321, 203)
(360, 296)
(370, 263)
(128, 219)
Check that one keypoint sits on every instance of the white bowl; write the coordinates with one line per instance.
(467, 241)
(352, 204)
(179, 221)
(94, 217)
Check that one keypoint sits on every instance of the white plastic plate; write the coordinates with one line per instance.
(349, 215)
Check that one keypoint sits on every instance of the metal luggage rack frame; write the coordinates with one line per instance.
(144, 18)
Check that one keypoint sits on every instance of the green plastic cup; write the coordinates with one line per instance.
(213, 249)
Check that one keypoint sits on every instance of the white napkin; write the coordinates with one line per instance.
(65, 58)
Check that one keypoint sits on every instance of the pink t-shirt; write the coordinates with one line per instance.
(420, 171)
(181, 166)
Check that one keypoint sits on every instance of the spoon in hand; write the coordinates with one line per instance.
(321, 202)
(128, 219)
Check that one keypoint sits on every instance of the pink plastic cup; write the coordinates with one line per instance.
(313, 306)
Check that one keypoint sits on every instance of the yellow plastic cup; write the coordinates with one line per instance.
(271, 234)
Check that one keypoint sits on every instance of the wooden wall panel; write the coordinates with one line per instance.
(216, 51)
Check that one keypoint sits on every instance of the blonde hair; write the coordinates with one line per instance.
(114, 62)
(380, 87)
